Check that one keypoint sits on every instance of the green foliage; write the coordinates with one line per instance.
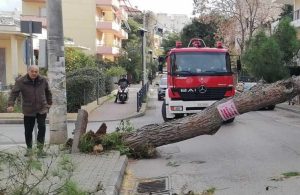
(269, 68)
(125, 126)
(286, 37)
(109, 85)
(83, 85)
(116, 71)
(200, 29)
(115, 140)
(170, 42)
(3, 102)
(21, 175)
(74, 59)
(111, 141)
(291, 174)
(287, 11)
(131, 58)
(87, 142)
(71, 188)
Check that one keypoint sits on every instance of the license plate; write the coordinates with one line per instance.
(202, 104)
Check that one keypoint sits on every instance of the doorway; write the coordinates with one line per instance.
(2, 67)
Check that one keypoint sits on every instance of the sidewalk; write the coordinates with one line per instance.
(292, 108)
(106, 168)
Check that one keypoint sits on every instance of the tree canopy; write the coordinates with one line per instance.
(286, 36)
(200, 29)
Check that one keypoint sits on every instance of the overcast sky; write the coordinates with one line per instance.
(10, 5)
(164, 6)
(157, 6)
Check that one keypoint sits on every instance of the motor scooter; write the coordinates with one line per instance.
(123, 91)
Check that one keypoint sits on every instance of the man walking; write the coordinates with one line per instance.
(36, 101)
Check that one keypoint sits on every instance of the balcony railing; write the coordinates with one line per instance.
(108, 25)
(107, 49)
(6, 20)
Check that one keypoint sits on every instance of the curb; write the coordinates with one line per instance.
(288, 109)
(116, 178)
(134, 115)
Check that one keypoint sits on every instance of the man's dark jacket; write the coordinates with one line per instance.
(36, 95)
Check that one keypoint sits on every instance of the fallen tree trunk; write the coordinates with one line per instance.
(210, 120)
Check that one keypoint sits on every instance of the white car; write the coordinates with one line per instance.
(161, 90)
(246, 86)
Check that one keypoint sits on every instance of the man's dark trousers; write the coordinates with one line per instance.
(29, 122)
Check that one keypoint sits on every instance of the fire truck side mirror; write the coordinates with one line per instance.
(238, 65)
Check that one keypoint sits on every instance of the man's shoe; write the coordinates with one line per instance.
(41, 154)
(28, 153)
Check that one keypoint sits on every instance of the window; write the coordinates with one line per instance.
(201, 63)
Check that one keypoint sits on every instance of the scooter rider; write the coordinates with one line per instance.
(122, 80)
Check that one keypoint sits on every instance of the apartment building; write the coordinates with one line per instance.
(172, 22)
(11, 48)
(91, 24)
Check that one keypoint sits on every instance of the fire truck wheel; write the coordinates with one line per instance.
(164, 112)
(229, 121)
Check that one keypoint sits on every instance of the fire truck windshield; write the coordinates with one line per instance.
(204, 63)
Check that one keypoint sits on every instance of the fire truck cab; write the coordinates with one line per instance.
(197, 76)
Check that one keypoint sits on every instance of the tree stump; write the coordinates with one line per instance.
(80, 128)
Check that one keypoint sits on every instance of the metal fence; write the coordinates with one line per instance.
(141, 96)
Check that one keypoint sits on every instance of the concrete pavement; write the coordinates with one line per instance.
(106, 168)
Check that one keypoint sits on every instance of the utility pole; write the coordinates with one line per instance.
(57, 73)
(144, 48)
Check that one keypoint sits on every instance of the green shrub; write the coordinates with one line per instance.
(116, 71)
(83, 85)
(109, 84)
(80, 91)
(3, 102)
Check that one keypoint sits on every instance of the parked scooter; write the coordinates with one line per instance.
(123, 92)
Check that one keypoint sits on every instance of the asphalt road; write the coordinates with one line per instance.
(241, 158)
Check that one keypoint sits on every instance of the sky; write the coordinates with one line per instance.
(10, 5)
(157, 6)
(164, 6)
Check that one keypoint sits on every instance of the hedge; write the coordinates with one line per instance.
(82, 87)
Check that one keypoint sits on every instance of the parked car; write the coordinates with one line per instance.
(248, 86)
(162, 86)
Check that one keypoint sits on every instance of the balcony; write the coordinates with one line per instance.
(35, 18)
(108, 4)
(290, 2)
(108, 26)
(123, 34)
(107, 49)
(35, 1)
(124, 14)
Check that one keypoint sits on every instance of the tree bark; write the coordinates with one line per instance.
(209, 120)
(80, 128)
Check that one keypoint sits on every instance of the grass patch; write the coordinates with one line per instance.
(291, 174)
(286, 175)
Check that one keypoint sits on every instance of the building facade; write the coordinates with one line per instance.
(172, 22)
(91, 24)
(11, 48)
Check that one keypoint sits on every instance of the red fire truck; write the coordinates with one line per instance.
(197, 77)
